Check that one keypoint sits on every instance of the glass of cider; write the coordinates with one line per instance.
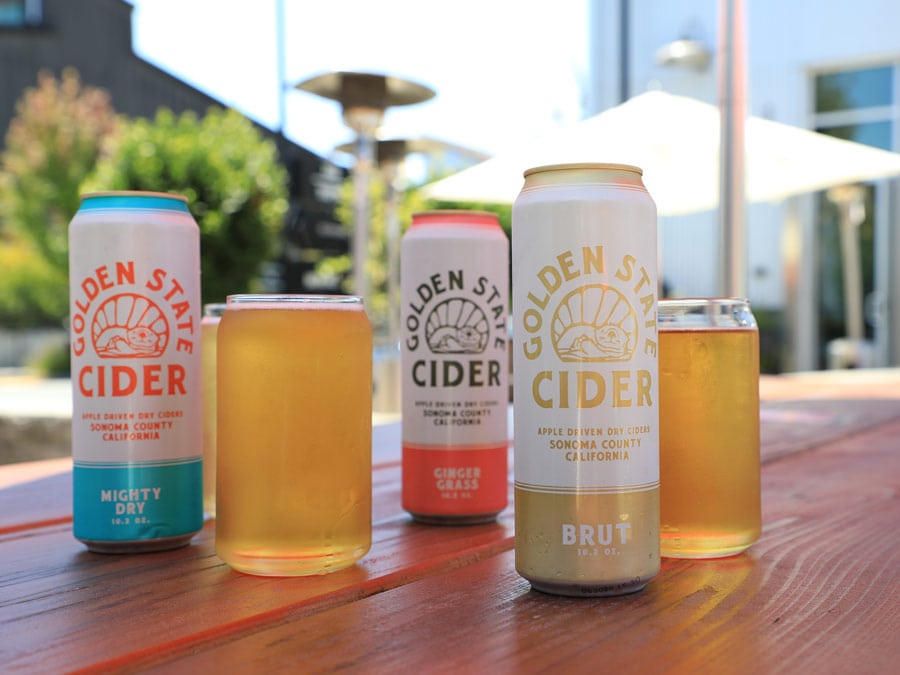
(294, 443)
(209, 326)
(709, 427)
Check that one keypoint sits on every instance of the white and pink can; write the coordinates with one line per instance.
(454, 278)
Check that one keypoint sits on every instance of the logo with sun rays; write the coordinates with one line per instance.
(594, 323)
(457, 326)
(129, 325)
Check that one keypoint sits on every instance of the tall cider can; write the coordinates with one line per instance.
(585, 384)
(134, 286)
(454, 277)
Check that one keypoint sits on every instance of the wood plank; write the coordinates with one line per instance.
(881, 383)
(62, 607)
(59, 602)
(35, 494)
(818, 593)
(24, 472)
(790, 426)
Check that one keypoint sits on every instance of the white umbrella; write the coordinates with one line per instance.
(675, 140)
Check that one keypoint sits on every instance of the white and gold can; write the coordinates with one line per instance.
(585, 382)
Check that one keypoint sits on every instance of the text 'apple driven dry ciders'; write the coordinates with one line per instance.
(294, 441)
(585, 380)
(455, 363)
(134, 282)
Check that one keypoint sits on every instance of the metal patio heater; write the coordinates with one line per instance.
(390, 155)
(364, 97)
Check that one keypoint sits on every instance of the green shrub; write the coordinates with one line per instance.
(54, 362)
(235, 186)
(33, 293)
(52, 144)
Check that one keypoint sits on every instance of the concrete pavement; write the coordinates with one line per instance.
(35, 417)
(23, 395)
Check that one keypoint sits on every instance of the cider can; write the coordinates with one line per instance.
(585, 390)
(454, 280)
(294, 441)
(709, 427)
(134, 287)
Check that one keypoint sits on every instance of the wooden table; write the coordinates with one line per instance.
(820, 592)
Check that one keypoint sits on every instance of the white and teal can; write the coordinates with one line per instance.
(134, 298)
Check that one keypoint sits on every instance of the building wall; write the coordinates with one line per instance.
(94, 36)
(787, 44)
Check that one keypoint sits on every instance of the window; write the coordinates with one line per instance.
(856, 105)
(20, 13)
(854, 89)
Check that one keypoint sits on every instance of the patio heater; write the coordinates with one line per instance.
(364, 98)
(853, 351)
(390, 155)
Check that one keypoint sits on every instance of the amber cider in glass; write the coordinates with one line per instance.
(294, 474)
(709, 428)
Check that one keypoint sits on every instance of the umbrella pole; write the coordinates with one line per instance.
(392, 232)
(732, 277)
(359, 249)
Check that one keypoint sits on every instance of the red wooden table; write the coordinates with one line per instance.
(820, 592)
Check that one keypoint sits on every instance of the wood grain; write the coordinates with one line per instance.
(62, 606)
(35, 494)
(43, 490)
(818, 593)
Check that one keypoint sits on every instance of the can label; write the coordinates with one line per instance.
(135, 324)
(588, 327)
(455, 366)
(585, 376)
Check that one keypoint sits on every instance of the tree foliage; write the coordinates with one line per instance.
(33, 293)
(66, 139)
(235, 186)
(52, 144)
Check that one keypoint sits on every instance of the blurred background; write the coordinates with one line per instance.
(273, 118)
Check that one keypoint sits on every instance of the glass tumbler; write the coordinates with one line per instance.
(209, 326)
(709, 427)
(294, 475)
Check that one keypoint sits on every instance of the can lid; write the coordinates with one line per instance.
(134, 199)
(682, 314)
(456, 217)
(292, 301)
(595, 166)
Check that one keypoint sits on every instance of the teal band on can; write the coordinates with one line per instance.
(132, 201)
(117, 503)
